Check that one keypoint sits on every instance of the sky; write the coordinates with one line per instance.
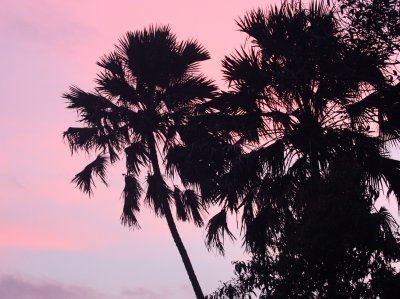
(55, 242)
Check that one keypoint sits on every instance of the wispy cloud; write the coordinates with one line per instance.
(17, 287)
(141, 293)
(12, 287)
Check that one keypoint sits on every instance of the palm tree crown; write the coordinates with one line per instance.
(146, 92)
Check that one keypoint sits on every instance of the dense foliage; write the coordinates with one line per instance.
(372, 25)
(311, 117)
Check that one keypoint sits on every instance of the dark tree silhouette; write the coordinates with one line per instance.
(145, 94)
(372, 26)
(305, 131)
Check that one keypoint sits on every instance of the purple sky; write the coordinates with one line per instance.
(55, 241)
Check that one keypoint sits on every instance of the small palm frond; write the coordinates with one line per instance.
(244, 69)
(254, 24)
(175, 158)
(113, 63)
(136, 156)
(318, 10)
(387, 222)
(185, 92)
(114, 157)
(191, 53)
(81, 138)
(249, 210)
(90, 106)
(389, 234)
(216, 229)
(280, 119)
(179, 205)
(356, 109)
(188, 206)
(84, 179)
(116, 87)
(131, 196)
(157, 194)
(387, 102)
(194, 207)
(273, 157)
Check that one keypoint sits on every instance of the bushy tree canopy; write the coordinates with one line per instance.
(310, 118)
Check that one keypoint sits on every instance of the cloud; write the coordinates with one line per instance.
(17, 287)
(141, 293)
(12, 287)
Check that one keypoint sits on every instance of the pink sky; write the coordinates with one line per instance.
(55, 241)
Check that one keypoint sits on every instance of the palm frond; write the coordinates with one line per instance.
(84, 179)
(253, 23)
(188, 206)
(181, 213)
(90, 106)
(113, 63)
(386, 101)
(114, 157)
(188, 91)
(188, 55)
(81, 138)
(244, 70)
(194, 206)
(216, 229)
(131, 195)
(157, 194)
(191, 51)
(319, 10)
(388, 224)
(117, 87)
(136, 156)
(273, 157)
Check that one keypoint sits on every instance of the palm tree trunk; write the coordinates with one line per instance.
(172, 225)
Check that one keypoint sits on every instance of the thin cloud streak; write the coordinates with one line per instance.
(17, 287)
(12, 287)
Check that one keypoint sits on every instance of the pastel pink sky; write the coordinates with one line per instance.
(56, 242)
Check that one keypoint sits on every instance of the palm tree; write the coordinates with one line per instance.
(311, 119)
(141, 107)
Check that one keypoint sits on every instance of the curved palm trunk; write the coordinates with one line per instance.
(172, 226)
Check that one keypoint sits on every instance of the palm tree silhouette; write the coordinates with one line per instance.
(145, 95)
(308, 113)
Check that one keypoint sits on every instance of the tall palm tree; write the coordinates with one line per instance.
(311, 119)
(141, 106)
